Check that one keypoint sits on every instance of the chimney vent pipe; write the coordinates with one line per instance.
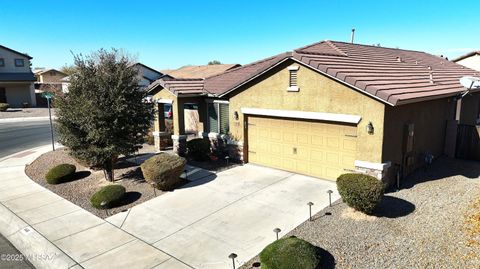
(353, 35)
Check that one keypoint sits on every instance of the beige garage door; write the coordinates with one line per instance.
(313, 148)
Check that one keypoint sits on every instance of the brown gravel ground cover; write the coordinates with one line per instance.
(433, 222)
(87, 182)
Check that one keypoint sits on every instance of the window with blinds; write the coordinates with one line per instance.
(218, 121)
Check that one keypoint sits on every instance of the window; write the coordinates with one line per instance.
(292, 83)
(218, 118)
(2, 62)
(19, 63)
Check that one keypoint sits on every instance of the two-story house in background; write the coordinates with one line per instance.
(16, 78)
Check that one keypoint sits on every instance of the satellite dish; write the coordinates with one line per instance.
(470, 82)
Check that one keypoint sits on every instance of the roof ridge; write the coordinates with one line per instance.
(288, 53)
(373, 46)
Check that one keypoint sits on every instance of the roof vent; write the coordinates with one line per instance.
(416, 62)
(399, 59)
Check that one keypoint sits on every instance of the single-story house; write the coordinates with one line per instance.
(16, 78)
(470, 60)
(328, 108)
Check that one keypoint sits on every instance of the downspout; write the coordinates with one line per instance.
(459, 98)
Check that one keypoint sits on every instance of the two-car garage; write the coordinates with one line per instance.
(318, 148)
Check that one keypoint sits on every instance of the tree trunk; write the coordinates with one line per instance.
(108, 170)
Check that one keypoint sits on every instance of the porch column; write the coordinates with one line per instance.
(179, 138)
(160, 134)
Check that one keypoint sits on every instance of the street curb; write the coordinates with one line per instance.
(26, 119)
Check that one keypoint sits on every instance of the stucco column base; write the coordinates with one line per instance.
(163, 140)
(179, 144)
(377, 170)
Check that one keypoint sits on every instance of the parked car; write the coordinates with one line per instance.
(167, 110)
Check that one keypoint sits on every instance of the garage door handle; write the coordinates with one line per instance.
(347, 135)
(251, 152)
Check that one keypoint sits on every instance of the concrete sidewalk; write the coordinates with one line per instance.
(54, 233)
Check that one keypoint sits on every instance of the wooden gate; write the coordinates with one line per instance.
(468, 142)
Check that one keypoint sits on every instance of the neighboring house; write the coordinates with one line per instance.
(329, 108)
(49, 80)
(200, 71)
(16, 78)
(470, 60)
(146, 75)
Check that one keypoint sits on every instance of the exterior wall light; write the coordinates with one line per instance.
(235, 115)
(370, 128)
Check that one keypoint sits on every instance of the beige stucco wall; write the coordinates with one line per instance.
(472, 62)
(19, 93)
(318, 93)
(430, 123)
(165, 94)
(9, 58)
(51, 76)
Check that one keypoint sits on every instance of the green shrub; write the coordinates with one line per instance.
(360, 191)
(198, 149)
(111, 194)
(4, 106)
(60, 173)
(163, 170)
(290, 252)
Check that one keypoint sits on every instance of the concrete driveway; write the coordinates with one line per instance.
(232, 211)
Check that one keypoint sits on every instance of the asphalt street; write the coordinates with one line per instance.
(18, 136)
(14, 137)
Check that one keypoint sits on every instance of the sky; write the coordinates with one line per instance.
(171, 34)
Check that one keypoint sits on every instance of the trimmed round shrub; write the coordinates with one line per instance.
(112, 195)
(290, 252)
(4, 106)
(163, 170)
(198, 149)
(60, 173)
(360, 191)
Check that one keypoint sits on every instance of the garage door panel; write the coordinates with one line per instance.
(349, 145)
(313, 148)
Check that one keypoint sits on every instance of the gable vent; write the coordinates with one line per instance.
(293, 78)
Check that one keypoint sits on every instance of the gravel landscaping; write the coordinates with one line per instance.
(87, 182)
(25, 112)
(427, 224)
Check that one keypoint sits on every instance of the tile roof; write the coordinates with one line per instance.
(200, 71)
(179, 86)
(17, 77)
(470, 54)
(230, 79)
(393, 75)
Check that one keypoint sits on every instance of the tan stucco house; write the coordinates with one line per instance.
(328, 108)
(470, 60)
(16, 78)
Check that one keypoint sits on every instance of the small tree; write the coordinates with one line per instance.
(103, 114)
(68, 69)
(214, 62)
